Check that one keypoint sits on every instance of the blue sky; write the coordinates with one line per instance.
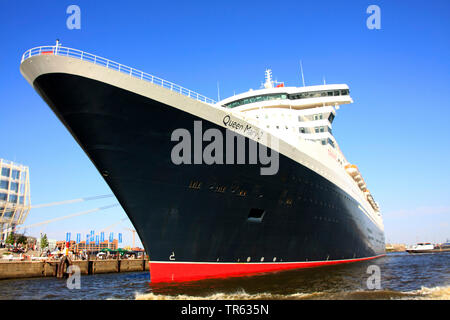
(396, 130)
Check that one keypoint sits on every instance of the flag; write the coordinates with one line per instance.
(111, 236)
(120, 238)
(280, 85)
(92, 236)
(87, 239)
(68, 237)
(102, 237)
(78, 237)
(96, 240)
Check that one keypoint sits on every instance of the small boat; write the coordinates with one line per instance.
(429, 248)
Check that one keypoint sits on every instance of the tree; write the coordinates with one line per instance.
(11, 239)
(44, 241)
(22, 240)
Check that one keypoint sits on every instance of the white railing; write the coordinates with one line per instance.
(78, 54)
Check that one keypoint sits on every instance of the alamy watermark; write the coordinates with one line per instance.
(74, 279)
(374, 280)
(74, 20)
(226, 149)
(374, 20)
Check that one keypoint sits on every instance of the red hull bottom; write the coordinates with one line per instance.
(191, 271)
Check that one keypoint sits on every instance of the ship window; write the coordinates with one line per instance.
(195, 185)
(256, 215)
(315, 94)
(331, 118)
(302, 130)
(255, 99)
(303, 95)
(330, 142)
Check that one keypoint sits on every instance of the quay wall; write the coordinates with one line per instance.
(33, 269)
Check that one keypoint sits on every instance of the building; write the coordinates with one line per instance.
(91, 247)
(15, 200)
(395, 247)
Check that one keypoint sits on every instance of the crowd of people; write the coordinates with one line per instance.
(27, 253)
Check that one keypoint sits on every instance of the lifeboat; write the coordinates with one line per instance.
(372, 202)
(351, 169)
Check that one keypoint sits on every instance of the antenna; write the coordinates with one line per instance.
(218, 91)
(269, 82)
(301, 69)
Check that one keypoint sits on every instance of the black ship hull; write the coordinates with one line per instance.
(198, 221)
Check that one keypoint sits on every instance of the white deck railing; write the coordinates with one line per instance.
(78, 54)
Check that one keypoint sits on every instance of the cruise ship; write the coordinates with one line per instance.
(306, 207)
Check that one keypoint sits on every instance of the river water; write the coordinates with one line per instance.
(395, 276)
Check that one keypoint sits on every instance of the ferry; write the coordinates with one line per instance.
(429, 248)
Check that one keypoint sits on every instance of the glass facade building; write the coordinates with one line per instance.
(14, 196)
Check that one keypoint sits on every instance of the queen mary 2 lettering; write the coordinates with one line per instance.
(221, 149)
(278, 195)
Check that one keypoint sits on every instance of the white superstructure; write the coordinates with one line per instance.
(303, 117)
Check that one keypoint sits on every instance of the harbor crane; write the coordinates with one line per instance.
(134, 235)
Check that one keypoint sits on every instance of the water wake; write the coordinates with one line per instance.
(436, 293)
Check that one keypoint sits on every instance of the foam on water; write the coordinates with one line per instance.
(437, 293)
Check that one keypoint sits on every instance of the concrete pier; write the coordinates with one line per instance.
(33, 269)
